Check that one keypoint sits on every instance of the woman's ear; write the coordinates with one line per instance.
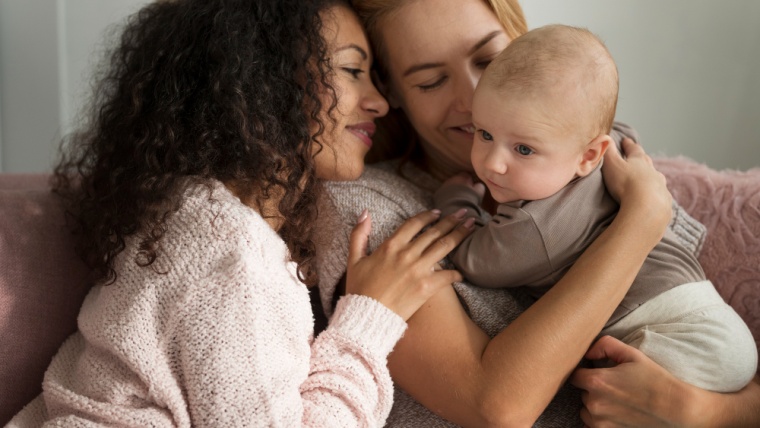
(385, 90)
(593, 154)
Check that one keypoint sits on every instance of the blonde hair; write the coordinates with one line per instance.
(552, 57)
(396, 137)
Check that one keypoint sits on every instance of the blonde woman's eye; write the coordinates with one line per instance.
(524, 150)
(434, 85)
(483, 64)
(485, 135)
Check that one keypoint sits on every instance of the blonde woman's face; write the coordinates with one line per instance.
(436, 52)
(348, 139)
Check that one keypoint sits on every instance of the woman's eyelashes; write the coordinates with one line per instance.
(483, 63)
(438, 82)
(435, 84)
(354, 72)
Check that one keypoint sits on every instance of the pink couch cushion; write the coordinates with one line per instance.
(728, 203)
(42, 285)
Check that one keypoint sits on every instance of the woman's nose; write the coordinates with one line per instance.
(465, 88)
(375, 103)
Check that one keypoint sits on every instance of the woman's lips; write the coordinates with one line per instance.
(363, 131)
(464, 129)
(462, 134)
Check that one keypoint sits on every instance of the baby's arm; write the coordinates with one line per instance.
(506, 250)
(461, 191)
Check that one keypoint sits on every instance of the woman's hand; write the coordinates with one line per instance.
(403, 273)
(635, 393)
(637, 186)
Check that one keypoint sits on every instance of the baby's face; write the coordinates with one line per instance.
(522, 149)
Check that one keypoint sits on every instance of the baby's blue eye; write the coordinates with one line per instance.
(486, 135)
(524, 150)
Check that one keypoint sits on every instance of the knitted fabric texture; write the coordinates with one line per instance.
(218, 332)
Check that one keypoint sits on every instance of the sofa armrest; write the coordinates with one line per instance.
(42, 285)
(728, 204)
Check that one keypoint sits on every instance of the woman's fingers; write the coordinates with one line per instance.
(633, 150)
(413, 226)
(446, 277)
(445, 244)
(437, 231)
(608, 347)
(357, 248)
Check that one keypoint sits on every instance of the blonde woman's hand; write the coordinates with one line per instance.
(636, 392)
(638, 186)
(403, 273)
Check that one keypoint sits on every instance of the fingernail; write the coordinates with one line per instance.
(436, 212)
(460, 214)
(468, 223)
(363, 216)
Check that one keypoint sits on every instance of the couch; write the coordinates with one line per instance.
(42, 282)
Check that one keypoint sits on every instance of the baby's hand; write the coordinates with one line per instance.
(465, 179)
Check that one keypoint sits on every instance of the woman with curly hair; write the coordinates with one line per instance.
(193, 194)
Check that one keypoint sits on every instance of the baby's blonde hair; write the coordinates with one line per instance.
(556, 56)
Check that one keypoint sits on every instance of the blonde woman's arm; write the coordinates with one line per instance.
(449, 364)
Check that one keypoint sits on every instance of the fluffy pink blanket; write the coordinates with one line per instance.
(728, 203)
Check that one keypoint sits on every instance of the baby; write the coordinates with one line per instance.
(543, 114)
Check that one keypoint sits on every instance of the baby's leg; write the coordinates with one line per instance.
(694, 334)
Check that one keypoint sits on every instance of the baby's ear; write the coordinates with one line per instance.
(593, 154)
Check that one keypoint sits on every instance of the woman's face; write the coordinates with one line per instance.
(436, 53)
(347, 139)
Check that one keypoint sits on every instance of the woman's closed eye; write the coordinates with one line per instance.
(483, 63)
(354, 72)
(433, 85)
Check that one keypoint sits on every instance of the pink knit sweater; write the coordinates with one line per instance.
(218, 332)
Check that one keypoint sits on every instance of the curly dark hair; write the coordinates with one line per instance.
(199, 90)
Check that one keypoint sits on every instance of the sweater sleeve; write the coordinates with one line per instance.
(507, 251)
(246, 358)
(690, 232)
(449, 198)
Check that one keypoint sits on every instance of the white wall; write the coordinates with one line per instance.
(46, 49)
(28, 83)
(690, 71)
